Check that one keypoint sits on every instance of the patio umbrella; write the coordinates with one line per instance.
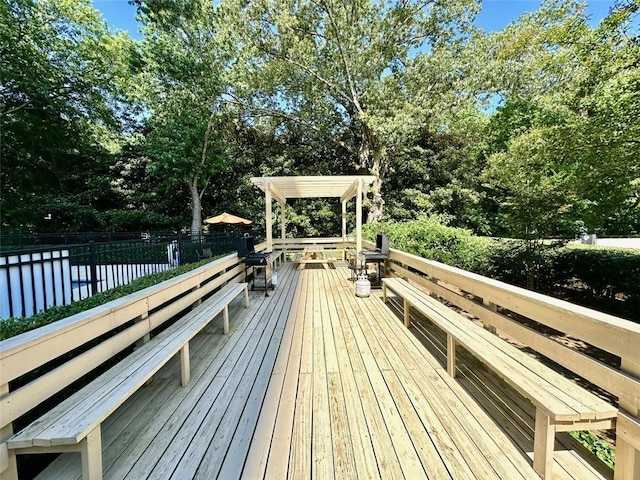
(227, 219)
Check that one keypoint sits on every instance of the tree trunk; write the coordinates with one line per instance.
(370, 157)
(374, 215)
(196, 209)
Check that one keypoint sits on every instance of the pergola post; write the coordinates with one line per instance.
(344, 220)
(268, 214)
(359, 217)
(283, 224)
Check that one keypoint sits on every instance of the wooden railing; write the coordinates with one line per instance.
(337, 244)
(300, 243)
(104, 331)
(503, 307)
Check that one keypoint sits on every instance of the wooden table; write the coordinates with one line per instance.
(313, 254)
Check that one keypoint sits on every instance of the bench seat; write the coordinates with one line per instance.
(74, 424)
(561, 405)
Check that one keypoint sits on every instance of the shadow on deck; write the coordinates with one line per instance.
(313, 382)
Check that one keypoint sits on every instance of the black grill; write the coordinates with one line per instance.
(256, 258)
(247, 249)
(262, 260)
(379, 255)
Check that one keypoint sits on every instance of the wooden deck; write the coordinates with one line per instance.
(313, 382)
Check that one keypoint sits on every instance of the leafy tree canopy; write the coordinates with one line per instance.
(62, 108)
(530, 132)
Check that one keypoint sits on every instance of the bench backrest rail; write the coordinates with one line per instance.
(22, 400)
(561, 405)
(618, 382)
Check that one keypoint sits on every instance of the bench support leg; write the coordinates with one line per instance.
(543, 442)
(451, 356)
(8, 464)
(91, 453)
(384, 292)
(225, 317)
(407, 319)
(627, 461)
(246, 297)
(185, 363)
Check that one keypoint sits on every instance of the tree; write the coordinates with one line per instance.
(437, 173)
(569, 121)
(339, 69)
(188, 122)
(602, 138)
(562, 152)
(63, 81)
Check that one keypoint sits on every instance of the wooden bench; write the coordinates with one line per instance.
(74, 424)
(277, 256)
(561, 405)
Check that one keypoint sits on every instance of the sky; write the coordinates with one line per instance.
(495, 14)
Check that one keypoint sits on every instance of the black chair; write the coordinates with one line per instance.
(378, 256)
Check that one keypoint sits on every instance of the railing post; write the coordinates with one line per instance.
(179, 252)
(93, 267)
(156, 253)
(433, 280)
(147, 336)
(492, 307)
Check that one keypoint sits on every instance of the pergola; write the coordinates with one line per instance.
(344, 187)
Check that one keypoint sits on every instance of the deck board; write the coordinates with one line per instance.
(314, 382)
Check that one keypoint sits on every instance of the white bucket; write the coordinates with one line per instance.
(363, 287)
(274, 279)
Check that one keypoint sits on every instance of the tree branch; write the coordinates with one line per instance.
(266, 112)
(616, 143)
(354, 94)
(310, 71)
(15, 109)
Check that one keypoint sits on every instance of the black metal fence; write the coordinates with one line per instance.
(22, 241)
(34, 279)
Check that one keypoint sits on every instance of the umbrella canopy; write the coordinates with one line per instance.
(227, 219)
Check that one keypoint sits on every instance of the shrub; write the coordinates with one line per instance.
(600, 277)
(428, 238)
(523, 263)
(597, 277)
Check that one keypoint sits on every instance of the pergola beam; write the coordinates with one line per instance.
(277, 194)
(351, 192)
